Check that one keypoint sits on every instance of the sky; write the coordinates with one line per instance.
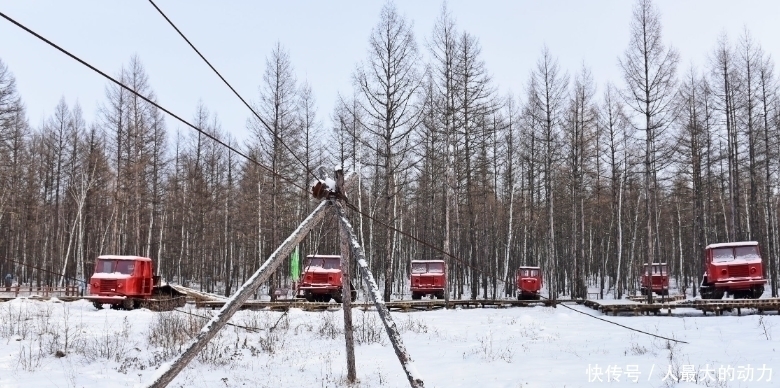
(327, 41)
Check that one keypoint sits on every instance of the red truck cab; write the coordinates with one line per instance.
(428, 277)
(121, 281)
(529, 283)
(321, 279)
(655, 278)
(735, 268)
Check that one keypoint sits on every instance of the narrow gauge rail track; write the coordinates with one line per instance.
(717, 307)
(662, 298)
(705, 306)
(400, 305)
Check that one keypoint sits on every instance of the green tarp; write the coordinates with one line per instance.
(295, 269)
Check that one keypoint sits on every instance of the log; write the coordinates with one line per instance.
(346, 300)
(168, 372)
(415, 381)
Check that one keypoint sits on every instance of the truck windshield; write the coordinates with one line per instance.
(720, 255)
(324, 263)
(419, 268)
(747, 253)
(124, 267)
(436, 267)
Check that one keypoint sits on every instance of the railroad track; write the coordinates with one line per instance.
(705, 306)
(662, 298)
(400, 305)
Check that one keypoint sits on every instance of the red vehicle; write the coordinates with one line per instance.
(655, 279)
(321, 279)
(735, 268)
(127, 282)
(428, 277)
(529, 283)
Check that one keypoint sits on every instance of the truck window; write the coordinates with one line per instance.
(105, 266)
(747, 253)
(436, 267)
(534, 273)
(125, 267)
(324, 263)
(419, 268)
(720, 255)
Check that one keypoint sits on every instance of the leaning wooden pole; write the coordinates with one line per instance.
(166, 374)
(346, 300)
(415, 381)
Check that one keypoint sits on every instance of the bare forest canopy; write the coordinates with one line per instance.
(587, 181)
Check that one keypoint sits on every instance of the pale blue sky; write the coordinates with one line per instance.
(326, 40)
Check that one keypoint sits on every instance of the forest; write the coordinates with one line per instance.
(587, 181)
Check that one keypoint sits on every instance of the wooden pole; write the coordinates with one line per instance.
(415, 381)
(167, 373)
(346, 297)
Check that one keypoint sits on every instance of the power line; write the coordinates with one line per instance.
(617, 324)
(265, 125)
(496, 278)
(435, 248)
(280, 140)
(139, 95)
(251, 159)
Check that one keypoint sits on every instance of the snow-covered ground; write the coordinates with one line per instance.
(55, 344)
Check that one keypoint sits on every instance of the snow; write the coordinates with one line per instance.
(515, 347)
(115, 275)
(331, 184)
(732, 244)
(118, 257)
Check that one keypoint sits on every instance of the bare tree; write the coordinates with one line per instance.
(649, 70)
(579, 139)
(768, 99)
(277, 134)
(443, 48)
(389, 84)
(548, 95)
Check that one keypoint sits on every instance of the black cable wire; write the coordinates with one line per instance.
(250, 159)
(48, 271)
(156, 105)
(285, 146)
(435, 248)
(503, 281)
(617, 324)
(265, 125)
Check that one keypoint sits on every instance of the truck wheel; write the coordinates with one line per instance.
(127, 304)
(757, 292)
(416, 296)
(98, 305)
